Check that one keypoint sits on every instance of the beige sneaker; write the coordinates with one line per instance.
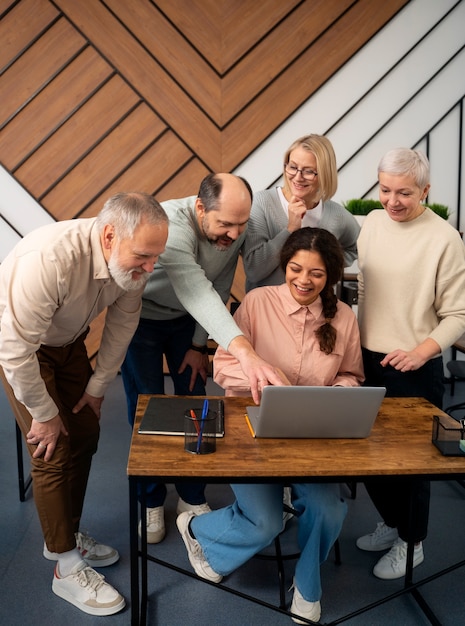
(94, 554)
(88, 591)
(194, 551)
(155, 524)
(197, 509)
(304, 608)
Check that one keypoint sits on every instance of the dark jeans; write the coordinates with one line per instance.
(396, 500)
(142, 372)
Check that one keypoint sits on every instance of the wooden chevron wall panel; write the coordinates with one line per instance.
(103, 95)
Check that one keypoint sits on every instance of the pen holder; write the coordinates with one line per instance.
(448, 436)
(200, 435)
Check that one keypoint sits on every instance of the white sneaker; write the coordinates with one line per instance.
(155, 524)
(304, 608)
(194, 551)
(383, 538)
(197, 509)
(394, 563)
(94, 554)
(88, 591)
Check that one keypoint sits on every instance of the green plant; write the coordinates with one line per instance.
(439, 209)
(363, 206)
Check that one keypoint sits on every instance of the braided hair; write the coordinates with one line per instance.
(328, 247)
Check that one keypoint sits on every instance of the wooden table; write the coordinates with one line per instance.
(399, 446)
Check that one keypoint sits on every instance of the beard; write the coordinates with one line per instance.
(216, 243)
(122, 277)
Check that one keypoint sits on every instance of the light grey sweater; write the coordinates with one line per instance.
(193, 277)
(267, 232)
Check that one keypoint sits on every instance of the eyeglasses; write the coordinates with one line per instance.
(306, 172)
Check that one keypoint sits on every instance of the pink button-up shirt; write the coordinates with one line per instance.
(283, 334)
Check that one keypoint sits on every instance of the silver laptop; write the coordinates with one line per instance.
(316, 412)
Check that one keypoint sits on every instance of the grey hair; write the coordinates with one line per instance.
(406, 162)
(126, 210)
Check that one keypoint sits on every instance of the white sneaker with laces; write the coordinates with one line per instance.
(194, 551)
(94, 554)
(382, 538)
(394, 564)
(88, 591)
(197, 509)
(155, 524)
(304, 608)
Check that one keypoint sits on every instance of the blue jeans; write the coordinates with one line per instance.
(232, 535)
(142, 372)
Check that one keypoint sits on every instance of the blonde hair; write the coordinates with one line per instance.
(326, 166)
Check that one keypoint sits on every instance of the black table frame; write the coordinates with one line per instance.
(139, 593)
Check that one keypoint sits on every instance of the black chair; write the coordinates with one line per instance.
(457, 373)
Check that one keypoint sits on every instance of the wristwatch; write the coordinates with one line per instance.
(201, 349)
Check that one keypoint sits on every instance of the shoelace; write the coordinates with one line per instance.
(88, 577)
(85, 542)
(397, 553)
(154, 516)
(381, 530)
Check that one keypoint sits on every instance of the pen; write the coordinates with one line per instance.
(196, 421)
(202, 424)
(249, 425)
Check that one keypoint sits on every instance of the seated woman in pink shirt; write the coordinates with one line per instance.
(302, 328)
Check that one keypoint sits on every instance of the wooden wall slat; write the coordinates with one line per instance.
(154, 84)
(157, 163)
(185, 183)
(108, 106)
(225, 31)
(5, 5)
(21, 25)
(246, 23)
(200, 23)
(47, 111)
(238, 286)
(251, 127)
(173, 52)
(201, 114)
(100, 167)
(32, 70)
(272, 55)
(92, 340)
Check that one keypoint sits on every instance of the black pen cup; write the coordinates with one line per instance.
(200, 435)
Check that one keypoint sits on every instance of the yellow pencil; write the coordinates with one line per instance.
(249, 425)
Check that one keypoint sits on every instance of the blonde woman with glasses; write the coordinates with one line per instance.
(310, 181)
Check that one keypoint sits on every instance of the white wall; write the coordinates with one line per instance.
(19, 213)
(361, 111)
(387, 95)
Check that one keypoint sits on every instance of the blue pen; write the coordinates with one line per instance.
(202, 424)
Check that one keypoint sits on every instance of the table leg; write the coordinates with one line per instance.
(143, 555)
(134, 551)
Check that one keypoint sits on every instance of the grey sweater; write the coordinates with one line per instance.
(267, 232)
(193, 277)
